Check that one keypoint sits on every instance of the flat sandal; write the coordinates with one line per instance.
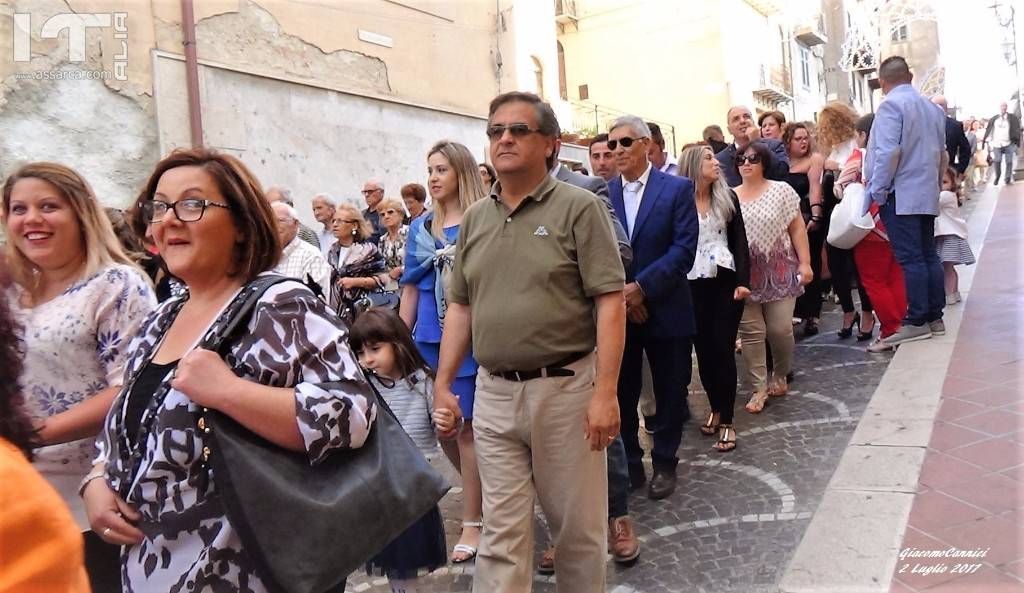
(757, 402)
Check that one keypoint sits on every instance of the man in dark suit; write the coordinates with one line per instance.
(957, 146)
(744, 131)
(661, 219)
(598, 187)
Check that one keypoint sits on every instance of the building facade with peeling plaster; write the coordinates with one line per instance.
(315, 95)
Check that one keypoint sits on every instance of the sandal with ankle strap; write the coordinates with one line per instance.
(710, 427)
(757, 402)
(725, 444)
(468, 550)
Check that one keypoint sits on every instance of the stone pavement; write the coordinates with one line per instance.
(736, 518)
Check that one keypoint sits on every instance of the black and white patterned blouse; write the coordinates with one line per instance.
(292, 340)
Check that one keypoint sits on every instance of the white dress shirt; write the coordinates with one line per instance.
(327, 240)
(632, 194)
(1001, 132)
(300, 258)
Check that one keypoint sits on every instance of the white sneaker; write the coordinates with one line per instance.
(879, 346)
(953, 298)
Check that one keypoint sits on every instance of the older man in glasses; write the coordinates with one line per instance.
(299, 259)
(661, 222)
(537, 267)
(744, 131)
(373, 193)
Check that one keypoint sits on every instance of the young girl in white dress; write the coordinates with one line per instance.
(951, 236)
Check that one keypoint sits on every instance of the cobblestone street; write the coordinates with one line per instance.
(736, 518)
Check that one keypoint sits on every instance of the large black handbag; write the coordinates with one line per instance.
(308, 527)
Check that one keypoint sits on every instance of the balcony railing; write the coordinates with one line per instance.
(565, 11)
(589, 120)
(774, 84)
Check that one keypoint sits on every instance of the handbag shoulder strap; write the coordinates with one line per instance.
(240, 311)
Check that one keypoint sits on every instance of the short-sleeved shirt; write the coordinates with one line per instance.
(773, 261)
(530, 276)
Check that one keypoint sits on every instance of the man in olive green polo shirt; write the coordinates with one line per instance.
(537, 283)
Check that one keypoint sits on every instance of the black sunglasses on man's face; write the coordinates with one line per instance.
(625, 142)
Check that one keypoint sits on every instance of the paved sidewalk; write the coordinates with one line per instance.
(970, 494)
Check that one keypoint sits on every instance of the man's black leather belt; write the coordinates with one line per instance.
(555, 370)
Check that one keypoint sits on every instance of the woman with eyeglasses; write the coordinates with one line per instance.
(294, 383)
(392, 242)
(719, 283)
(487, 175)
(805, 171)
(780, 265)
(454, 183)
(359, 266)
(79, 300)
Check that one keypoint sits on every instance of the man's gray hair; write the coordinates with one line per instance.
(636, 124)
(326, 199)
(286, 194)
(288, 209)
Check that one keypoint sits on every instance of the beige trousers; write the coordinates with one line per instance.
(772, 321)
(530, 443)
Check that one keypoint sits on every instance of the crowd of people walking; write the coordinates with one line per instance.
(504, 323)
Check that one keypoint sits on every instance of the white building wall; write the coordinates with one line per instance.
(310, 139)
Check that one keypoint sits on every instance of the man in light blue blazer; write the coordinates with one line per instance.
(661, 221)
(905, 159)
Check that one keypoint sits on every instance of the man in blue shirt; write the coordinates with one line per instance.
(905, 159)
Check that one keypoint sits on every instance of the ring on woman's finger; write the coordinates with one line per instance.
(105, 532)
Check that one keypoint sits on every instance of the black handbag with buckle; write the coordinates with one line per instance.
(308, 527)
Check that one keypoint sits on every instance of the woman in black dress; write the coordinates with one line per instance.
(805, 171)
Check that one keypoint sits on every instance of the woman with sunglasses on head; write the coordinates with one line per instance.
(719, 282)
(805, 171)
(780, 265)
(454, 183)
(294, 383)
(359, 266)
(79, 301)
(392, 242)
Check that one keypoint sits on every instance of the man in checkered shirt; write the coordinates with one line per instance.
(298, 258)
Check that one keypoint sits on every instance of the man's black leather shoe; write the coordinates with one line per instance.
(663, 484)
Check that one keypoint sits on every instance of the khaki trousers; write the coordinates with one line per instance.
(772, 321)
(530, 443)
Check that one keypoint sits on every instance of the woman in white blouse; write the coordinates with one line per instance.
(79, 301)
(719, 281)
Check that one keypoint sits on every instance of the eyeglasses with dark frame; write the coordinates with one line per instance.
(187, 210)
(337, 221)
(367, 192)
(753, 159)
(518, 130)
(625, 142)
(389, 212)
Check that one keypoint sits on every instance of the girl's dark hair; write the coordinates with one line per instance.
(864, 124)
(380, 325)
(761, 149)
(15, 424)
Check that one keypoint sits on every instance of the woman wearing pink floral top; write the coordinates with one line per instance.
(780, 266)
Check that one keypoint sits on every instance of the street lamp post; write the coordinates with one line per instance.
(1010, 54)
